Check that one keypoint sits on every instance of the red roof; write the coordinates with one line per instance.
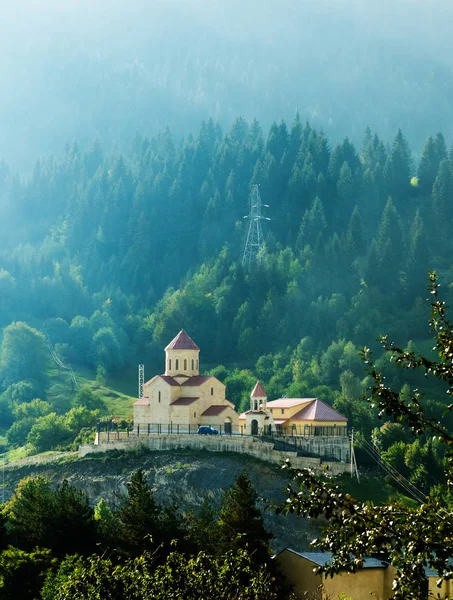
(319, 411)
(166, 378)
(214, 410)
(196, 380)
(258, 391)
(182, 342)
(184, 401)
(142, 402)
(288, 402)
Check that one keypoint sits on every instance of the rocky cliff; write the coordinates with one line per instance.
(184, 476)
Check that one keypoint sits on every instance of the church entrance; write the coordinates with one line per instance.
(254, 427)
(228, 426)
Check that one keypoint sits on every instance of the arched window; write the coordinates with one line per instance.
(177, 364)
(193, 364)
(159, 396)
(185, 364)
(212, 391)
(169, 364)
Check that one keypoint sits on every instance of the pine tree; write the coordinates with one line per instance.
(140, 516)
(398, 170)
(241, 524)
(313, 224)
(441, 213)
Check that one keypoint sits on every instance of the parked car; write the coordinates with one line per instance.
(207, 430)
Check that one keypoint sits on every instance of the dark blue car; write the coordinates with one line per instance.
(207, 430)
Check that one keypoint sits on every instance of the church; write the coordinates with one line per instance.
(181, 400)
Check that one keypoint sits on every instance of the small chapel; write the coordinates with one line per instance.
(181, 399)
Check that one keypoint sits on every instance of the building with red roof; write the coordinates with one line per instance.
(181, 398)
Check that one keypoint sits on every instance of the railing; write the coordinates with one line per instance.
(145, 429)
(311, 430)
(114, 432)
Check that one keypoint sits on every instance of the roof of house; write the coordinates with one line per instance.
(318, 410)
(258, 391)
(214, 410)
(142, 402)
(252, 412)
(323, 558)
(184, 401)
(288, 402)
(196, 380)
(165, 378)
(182, 342)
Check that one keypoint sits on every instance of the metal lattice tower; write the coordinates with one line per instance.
(141, 380)
(254, 242)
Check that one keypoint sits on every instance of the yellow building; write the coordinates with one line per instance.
(291, 416)
(181, 399)
(373, 580)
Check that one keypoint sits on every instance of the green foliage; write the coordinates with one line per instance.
(241, 524)
(23, 351)
(49, 432)
(411, 538)
(59, 519)
(22, 573)
(202, 577)
(86, 398)
(141, 517)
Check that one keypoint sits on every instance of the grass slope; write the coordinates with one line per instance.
(116, 392)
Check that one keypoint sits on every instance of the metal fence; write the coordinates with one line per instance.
(140, 429)
(143, 429)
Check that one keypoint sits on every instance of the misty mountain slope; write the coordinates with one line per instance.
(74, 70)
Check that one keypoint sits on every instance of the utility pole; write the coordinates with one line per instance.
(354, 469)
(141, 380)
(254, 242)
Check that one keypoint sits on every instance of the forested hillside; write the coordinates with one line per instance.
(109, 255)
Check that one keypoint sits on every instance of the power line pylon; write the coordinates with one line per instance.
(254, 242)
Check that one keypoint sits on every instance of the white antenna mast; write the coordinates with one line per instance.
(141, 380)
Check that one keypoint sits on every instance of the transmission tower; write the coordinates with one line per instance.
(141, 380)
(254, 241)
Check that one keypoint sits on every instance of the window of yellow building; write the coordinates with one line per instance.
(159, 396)
(177, 364)
(193, 363)
(185, 364)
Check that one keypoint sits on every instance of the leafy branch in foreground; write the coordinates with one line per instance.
(410, 538)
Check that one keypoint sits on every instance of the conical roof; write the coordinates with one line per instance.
(182, 342)
(258, 391)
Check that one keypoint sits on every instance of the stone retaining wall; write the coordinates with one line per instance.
(240, 445)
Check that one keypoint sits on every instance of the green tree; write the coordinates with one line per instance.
(411, 538)
(140, 516)
(59, 519)
(234, 575)
(24, 351)
(49, 432)
(241, 524)
(22, 573)
(88, 399)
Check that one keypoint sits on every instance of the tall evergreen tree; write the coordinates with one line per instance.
(241, 524)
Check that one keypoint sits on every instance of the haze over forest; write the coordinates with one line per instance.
(71, 70)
